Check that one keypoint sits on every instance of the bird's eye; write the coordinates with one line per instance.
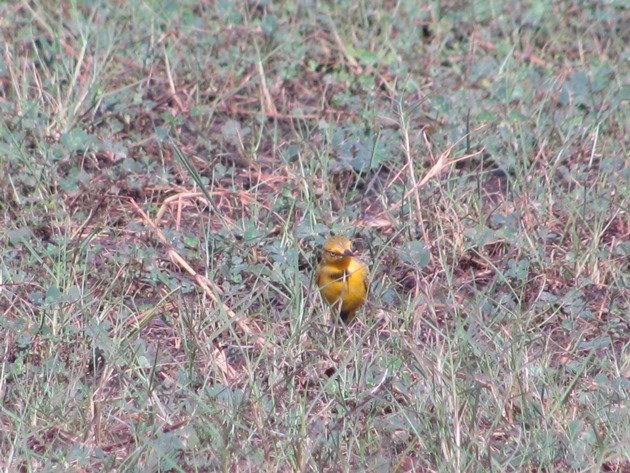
(331, 254)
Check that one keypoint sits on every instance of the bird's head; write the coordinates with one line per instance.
(337, 250)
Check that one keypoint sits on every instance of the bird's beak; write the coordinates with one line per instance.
(349, 253)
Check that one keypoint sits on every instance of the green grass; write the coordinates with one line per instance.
(168, 173)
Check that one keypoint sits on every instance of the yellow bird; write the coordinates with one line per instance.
(342, 278)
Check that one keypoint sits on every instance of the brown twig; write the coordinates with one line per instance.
(207, 286)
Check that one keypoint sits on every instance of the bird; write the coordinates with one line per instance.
(342, 278)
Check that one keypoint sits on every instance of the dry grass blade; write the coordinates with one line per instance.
(207, 286)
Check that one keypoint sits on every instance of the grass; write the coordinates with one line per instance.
(170, 171)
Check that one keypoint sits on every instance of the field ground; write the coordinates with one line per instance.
(168, 171)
